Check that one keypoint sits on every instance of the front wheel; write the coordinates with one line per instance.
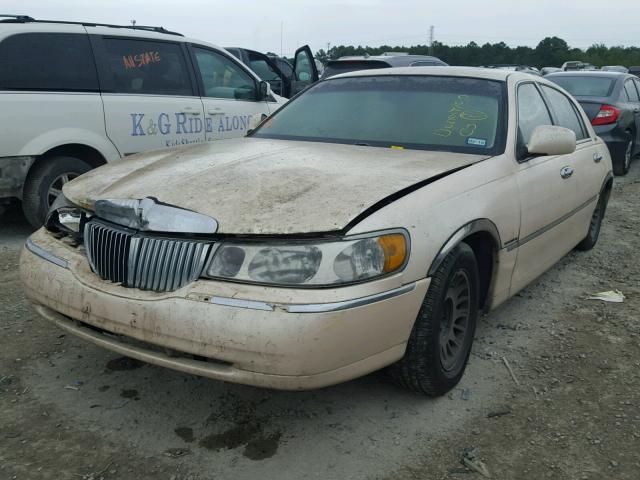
(440, 342)
(44, 185)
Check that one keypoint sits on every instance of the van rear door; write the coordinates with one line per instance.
(149, 94)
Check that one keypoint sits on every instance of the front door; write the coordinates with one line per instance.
(548, 192)
(304, 70)
(150, 101)
(230, 94)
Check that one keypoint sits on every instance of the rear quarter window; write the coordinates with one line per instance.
(47, 61)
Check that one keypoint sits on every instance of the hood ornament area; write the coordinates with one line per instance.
(150, 215)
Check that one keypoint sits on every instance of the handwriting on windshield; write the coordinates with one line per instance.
(457, 112)
(140, 59)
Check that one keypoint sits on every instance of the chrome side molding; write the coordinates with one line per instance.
(314, 307)
(42, 253)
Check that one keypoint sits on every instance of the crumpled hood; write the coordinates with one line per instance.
(259, 186)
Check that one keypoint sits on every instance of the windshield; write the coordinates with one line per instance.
(583, 86)
(401, 111)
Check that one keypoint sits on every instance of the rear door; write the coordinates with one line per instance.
(150, 99)
(304, 71)
(589, 171)
(230, 93)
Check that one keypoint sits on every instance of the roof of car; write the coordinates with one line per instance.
(393, 60)
(589, 73)
(475, 72)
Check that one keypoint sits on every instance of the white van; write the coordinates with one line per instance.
(74, 96)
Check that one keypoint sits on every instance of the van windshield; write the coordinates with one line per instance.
(405, 111)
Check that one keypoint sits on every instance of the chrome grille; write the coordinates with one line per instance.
(140, 261)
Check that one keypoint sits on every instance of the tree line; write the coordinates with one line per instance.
(550, 52)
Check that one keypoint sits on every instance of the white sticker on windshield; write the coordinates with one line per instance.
(478, 142)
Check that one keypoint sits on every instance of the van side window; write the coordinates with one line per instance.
(532, 112)
(47, 62)
(564, 112)
(146, 67)
(223, 78)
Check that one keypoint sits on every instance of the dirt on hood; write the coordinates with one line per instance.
(257, 186)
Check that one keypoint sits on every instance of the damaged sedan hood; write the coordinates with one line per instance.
(258, 186)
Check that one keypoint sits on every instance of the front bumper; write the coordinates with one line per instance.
(268, 337)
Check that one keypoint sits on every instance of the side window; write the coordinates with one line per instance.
(47, 61)
(623, 95)
(565, 112)
(532, 112)
(223, 78)
(632, 93)
(146, 67)
(636, 82)
(260, 66)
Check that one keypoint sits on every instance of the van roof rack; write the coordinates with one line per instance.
(28, 19)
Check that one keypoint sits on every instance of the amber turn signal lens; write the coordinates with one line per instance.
(395, 251)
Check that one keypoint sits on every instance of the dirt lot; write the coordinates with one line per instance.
(69, 410)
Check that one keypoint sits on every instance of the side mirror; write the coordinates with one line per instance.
(552, 140)
(264, 90)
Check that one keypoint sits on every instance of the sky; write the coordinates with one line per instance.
(281, 26)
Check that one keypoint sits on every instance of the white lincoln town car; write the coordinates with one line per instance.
(365, 225)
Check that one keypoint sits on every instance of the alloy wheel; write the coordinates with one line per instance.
(55, 189)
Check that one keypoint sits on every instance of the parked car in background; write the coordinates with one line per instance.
(74, 96)
(615, 68)
(514, 68)
(634, 71)
(548, 70)
(366, 224)
(355, 63)
(285, 79)
(611, 101)
(577, 65)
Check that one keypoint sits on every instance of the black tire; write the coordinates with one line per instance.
(622, 161)
(595, 224)
(43, 179)
(422, 369)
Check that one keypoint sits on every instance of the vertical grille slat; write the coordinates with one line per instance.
(141, 261)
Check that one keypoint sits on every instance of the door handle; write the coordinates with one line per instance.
(215, 111)
(566, 172)
(597, 157)
(191, 111)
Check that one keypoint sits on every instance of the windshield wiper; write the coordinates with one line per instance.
(362, 144)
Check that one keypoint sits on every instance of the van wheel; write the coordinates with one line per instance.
(440, 342)
(44, 185)
(591, 239)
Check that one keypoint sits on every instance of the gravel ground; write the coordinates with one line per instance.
(571, 410)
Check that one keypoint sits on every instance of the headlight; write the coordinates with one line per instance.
(311, 263)
(65, 217)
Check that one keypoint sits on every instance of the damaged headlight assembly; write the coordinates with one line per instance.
(66, 217)
(315, 262)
